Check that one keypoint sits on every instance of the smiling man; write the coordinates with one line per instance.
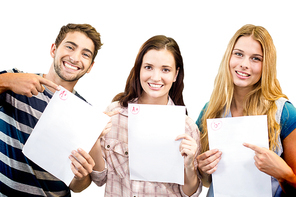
(23, 98)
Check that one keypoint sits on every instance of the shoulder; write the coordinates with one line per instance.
(203, 110)
(113, 106)
(191, 128)
(14, 70)
(289, 111)
(289, 106)
(288, 119)
(189, 122)
(201, 114)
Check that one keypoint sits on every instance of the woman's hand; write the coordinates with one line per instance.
(208, 161)
(188, 148)
(269, 162)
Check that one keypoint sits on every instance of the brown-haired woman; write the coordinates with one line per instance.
(156, 78)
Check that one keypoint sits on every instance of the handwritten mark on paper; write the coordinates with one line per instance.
(63, 95)
(216, 125)
(135, 109)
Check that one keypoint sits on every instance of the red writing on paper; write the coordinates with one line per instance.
(135, 109)
(63, 95)
(216, 125)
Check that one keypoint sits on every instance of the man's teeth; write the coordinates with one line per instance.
(70, 66)
(242, 74)
(155, 86)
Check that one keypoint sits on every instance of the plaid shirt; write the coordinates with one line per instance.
(116, 174)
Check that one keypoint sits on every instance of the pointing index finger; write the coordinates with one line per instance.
(49, 83)
(253, 147)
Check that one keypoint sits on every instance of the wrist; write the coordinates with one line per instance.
(4, 79)
(190, 172)
(289, 177)
(190, 167)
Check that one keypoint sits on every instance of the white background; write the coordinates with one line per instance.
(201, 28)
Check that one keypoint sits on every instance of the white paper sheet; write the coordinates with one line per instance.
(67, 123)
(153, 152)
(237, 175)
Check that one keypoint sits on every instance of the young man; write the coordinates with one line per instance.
(23, 98)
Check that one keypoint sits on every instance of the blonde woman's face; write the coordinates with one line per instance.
(246, 63)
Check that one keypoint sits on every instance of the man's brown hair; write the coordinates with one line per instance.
(87, 29)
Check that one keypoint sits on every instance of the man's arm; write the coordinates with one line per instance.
(24, 83)
(83, 163)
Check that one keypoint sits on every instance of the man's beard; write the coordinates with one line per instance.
(57, 69)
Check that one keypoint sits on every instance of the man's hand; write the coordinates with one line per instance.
(24, 83)
(82, 163)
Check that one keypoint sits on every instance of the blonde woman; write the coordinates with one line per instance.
(246, 84)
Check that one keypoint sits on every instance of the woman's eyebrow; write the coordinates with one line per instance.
(237, 50)
(243, 51)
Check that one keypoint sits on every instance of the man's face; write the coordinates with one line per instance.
(73, 57)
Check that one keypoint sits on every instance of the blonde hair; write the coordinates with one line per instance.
(261, 100)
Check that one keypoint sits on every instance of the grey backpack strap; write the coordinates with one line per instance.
(280, 105)
(276, 188)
